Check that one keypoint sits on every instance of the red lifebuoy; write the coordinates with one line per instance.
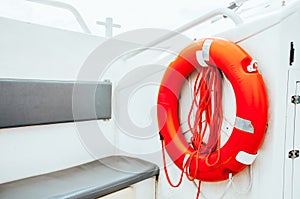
(251, 108)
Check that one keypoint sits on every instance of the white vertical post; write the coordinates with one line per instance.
(109, 25)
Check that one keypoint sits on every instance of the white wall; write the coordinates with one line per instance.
(29, 51)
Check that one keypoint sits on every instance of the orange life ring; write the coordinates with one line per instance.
(251, 108)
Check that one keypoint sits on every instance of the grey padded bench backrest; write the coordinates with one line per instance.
(91, 180)
(34, 102)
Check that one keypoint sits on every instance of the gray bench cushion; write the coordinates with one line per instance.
(34, 102)
(90, 180)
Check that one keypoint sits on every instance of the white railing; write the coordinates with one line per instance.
(68, 7)
(221, 11)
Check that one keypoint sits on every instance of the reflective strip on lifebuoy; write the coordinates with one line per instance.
(251, 108)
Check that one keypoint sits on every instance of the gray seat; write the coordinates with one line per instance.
(91, 180)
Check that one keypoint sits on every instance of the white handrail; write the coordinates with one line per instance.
(68, 7)
(221, 11)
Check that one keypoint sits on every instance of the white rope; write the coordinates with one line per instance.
(250, 183)
(225, 191)
(230, 178)
(231, 183)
